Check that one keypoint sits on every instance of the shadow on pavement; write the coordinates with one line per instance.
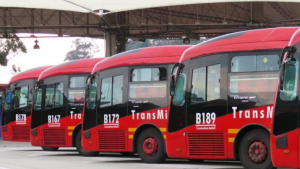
(116, 155)
(40, 150)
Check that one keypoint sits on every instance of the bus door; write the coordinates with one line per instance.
(206, 107)
(55, 109)
(7, 102)
(285, 137)
(199, 106)
(148, 100)
(112, 110)
(76, 98)
(21, 103)
(21, 108)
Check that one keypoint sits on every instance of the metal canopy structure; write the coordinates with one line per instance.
(163, 22)
(34, 21)
(139, 20)
(112, 5)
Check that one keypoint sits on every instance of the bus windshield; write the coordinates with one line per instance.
(91, 94)
(285, 116)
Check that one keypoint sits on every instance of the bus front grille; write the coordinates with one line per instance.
(21, 133)
(54, 137)
(206, 144)
(112, 140)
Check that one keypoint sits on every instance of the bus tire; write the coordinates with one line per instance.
(80, 149)
(151, 147)
(50, 148)
(254, 150)
(127, 153)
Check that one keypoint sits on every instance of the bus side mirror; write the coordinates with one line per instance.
(8, 97)
(289, 49)
(172, 85)
(89, 79)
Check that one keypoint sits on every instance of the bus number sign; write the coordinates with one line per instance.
(111, 120)
(54, 120)
(205, 121)
(20, 118)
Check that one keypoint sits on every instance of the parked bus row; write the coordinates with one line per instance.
(212, 101)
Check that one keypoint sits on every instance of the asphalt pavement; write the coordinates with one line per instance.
(16, 155)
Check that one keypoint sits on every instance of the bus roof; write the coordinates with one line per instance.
(72, 67)
(259, 39)
(28, 74)
(141, 56)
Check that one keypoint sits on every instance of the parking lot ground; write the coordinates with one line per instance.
(18, 155)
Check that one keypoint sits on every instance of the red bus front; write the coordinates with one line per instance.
(57, 111)
(58, 105)
(222, 104)
(15, 119)
(285, 133)
(125, 123)
(17, 104)
(127, 97)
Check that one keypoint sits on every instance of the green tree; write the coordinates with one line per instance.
(84, 48)
(158, 42)
(15, 70)
(10, 46)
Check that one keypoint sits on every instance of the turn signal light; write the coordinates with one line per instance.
(90, 142)
(36, 138)
(286, 151)
(178, 149)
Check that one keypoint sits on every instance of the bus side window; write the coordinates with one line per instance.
(106, 90)
(76, 89)
(111, 91)
(206, 84)
(38, 99)
(21, 97)
(117, 90)
(179, 96)
(54, 96)
(146, 83)
(245, 75)
(58, 102)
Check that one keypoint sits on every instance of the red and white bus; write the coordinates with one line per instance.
(285, 128)
(58, 105)
(127, 103)
(16, 108)
(2, 89)
(222, 98)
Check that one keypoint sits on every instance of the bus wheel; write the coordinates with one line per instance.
(79, 147)
(254, 150)
(150, 146)
(127, 153)
(50, 148)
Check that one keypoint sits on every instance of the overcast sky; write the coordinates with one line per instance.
(52, 51)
